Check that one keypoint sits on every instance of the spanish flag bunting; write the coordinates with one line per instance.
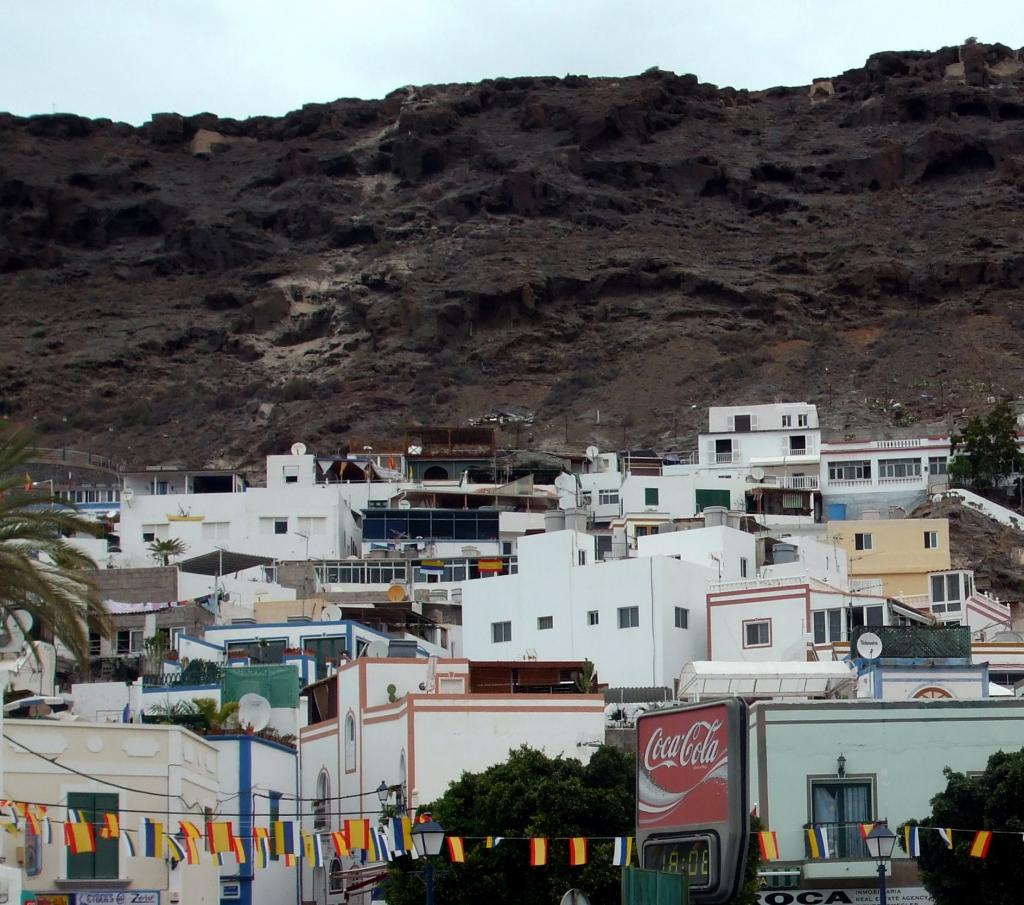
(538, 851)
(622, 851)
(340, 843)
(175, 850)
(286, 840)
(239, 847)
(946, 835)
(80, 838)
(979, 847)
(220, 837)
(191, 847)
(290, 860)
(401, 836)
(33, 826)
(912, 841)
(357, 832)
(817, 841)
(111, 828)
(456, 849)
(189, 830)
(577, 851)
(261, 845)
(492, 841)
(865, 829)
(151, 838)
(768, 842)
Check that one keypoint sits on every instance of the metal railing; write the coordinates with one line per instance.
(72, 457)
(792, 482)
(845, 840)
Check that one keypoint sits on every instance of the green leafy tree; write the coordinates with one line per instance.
(41, 574)
(529, 795)
(163, 550)
(994, 801)
(986, 452)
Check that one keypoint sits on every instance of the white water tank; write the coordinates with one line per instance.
(554, 520)
(576, 520)
(715, 516)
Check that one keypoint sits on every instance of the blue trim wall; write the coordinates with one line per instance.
(245, 817)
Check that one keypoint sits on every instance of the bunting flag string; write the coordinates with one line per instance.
(456, 849)
(577, 851)
(979, 847)
(768, 842)
(817, 842)
(538, 851)
(622, 851)
(912, 841)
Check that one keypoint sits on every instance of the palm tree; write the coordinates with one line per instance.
(41, 574)
(163, 550)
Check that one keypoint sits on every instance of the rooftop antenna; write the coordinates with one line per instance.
(253, 712)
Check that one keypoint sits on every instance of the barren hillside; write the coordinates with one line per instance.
(614, 255)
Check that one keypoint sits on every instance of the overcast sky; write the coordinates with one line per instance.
(126, 59)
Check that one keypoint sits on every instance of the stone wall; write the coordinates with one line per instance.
(155, 585)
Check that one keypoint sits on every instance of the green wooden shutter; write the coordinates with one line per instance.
(707, 498)
(101, 864)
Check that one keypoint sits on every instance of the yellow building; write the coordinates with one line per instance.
(898, 552)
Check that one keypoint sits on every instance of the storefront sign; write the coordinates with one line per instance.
(692, 813)
(118, 897)
(894, 895)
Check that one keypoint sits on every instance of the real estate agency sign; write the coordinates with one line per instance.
(692, 813)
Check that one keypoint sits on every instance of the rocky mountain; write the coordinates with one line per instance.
(611, 254)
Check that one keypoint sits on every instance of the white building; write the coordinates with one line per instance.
(416, 726)
(638, 620)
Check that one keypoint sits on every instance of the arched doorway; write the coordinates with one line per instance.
(436, 473)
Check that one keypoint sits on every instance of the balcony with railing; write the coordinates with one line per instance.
(792, 482)
(845, 841)
(726, 458)
(914, 641)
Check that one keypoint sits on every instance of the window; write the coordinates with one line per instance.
(95, 644)
(946, 597)
(899, 468)
(350, 743)
(682, 617)
(324, 649)
(216, 530)
(743, 567)
(938, 588)
(101, 864)
(741, 422)
(937, 465)
(336, 877)
(173, 634)
(582, 557)
(931, 540)
(280, 526)
(862, 541)
(275, 815)
(129, 641)
(151, 533)
(545, 622)
(608, 497)
(801, 420)
(865, 615)
(787, 420)
(757, 633)
(604, 546)
(629, 616)
(501, 632)
(797, 445)
(840, 807)
(650, 496)
(828, 626)
(322, 804)
(705, 498)
(851, 470)
(723, 452)
(310, 526)
(593, 617)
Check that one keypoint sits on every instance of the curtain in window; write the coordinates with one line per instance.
(844, 805)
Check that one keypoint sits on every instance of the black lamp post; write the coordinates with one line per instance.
(880, 842)
(383, 792)
(428, 838)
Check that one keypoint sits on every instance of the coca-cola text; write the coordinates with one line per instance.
(697, 748)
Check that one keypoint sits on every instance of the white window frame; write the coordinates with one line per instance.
(863, 541)
(629, 617)
(682, 617)
(758, 623)
(608, 498)
(931, 540)
(544, 623)
(802, 420)
(499, 628)
(593, 617)
(787, 420)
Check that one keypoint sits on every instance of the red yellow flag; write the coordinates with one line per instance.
(538, 851)
(80, 838)
(865, 829)
(768, 841)
(456, 849)
(577, 851)
(290, 860)
(111, 828)
(220, 837)
(340, 843)
(979, 847)
(239, 848)
(357, 832)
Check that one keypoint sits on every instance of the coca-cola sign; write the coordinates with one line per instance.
(683, 771)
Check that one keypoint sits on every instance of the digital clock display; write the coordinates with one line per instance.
(694, 856)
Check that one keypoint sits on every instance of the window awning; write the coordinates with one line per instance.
(222, 563)
(719, 678)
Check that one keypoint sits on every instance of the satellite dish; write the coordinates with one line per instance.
(404, 504)
(298, 449)
(592, 452)
(396, 593)
(127, 494)
(253, 712)
(415, 450)
(377, 650)
(869, 646)
(331, 613)
(757, 473)
(575, 897)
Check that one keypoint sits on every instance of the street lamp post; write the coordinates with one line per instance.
(880, 842)
(428, 838)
